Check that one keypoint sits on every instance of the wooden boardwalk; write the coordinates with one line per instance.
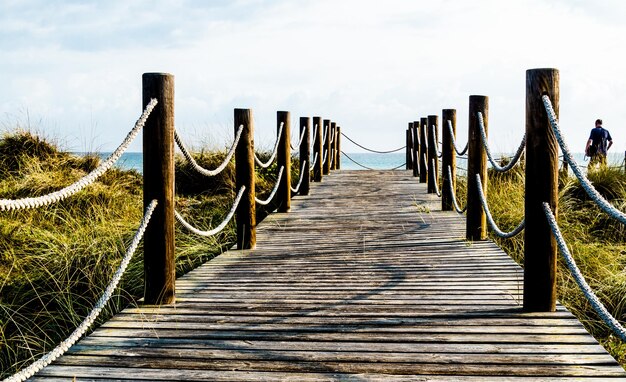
(365, 279)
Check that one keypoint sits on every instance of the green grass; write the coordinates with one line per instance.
(56, 261)
(597, 243)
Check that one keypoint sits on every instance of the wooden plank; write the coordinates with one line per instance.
(394, 293)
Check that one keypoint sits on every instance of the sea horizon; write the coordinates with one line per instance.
(355, 161)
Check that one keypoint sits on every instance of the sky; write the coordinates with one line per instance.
(71, 70)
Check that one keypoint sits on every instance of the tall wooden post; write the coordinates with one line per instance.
(409, 147)
(338, 161)
(433, 161)
(244, 176)
(326, 147)
(283, 194)
(423, 150)
(408, 150)
(542, 156)
(318, 149)
(416, 148)
(305, 155)
(476, 221)
(448, 159)
(158, 183)
(333, 145)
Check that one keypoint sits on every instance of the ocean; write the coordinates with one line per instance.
(134, 161)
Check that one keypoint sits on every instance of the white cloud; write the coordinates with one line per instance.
(371, 67)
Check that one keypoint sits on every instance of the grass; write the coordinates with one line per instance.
(596, 241)
(56, 261)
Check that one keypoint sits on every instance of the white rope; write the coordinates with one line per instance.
(490, 220)
(220, 227)
(325, 158)
(460, 152)
(302, 175)
(201, 169)
(44, 200)
(432, 131)
(325, 135)
(269, 199)
(314, 138)
(453, 193)
(585, 183)
(496, 166)
(332, 156)
(61, 348)
(314, 161)
(301, 138)
(597, 305)
(271, 160)
(435, 179)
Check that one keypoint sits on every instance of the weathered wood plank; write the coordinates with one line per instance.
(365, 279)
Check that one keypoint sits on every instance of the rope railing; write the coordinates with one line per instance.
(302, 175)
(314, 162)
(369, 168)
(594, 301)
(297, 147)
(325, 158)
(220, 227)
(599, 200)
(436, 183)
(269, 199)
(64, 346)
(432, 131)
(453, 194)
(496, 166)
(64, 193)
(313, 137)
(274, 151)
(372, 150)
(456, 148)
(492, 223)
(201, 169)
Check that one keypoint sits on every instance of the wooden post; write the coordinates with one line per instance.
(158, 183)
(416, 148)
(541, 185)
(283, 194)
(305, 155)
(318, 149)
(326, 147)
(433, 161)
(244, 176)
(448, 159)
(409, 147)
(338, 161)
(423, 150)
(333, 145)
(476, 221)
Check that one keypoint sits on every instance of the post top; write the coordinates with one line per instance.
(542, 69)
(157, 74)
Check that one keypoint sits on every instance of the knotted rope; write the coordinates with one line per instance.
(61, 348)
(220, 227)
(201, 169)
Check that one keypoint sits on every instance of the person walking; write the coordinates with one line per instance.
(598, 145)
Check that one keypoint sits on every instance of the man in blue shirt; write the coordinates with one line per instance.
(598, 145)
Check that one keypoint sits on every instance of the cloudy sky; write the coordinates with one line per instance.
(72, 69)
